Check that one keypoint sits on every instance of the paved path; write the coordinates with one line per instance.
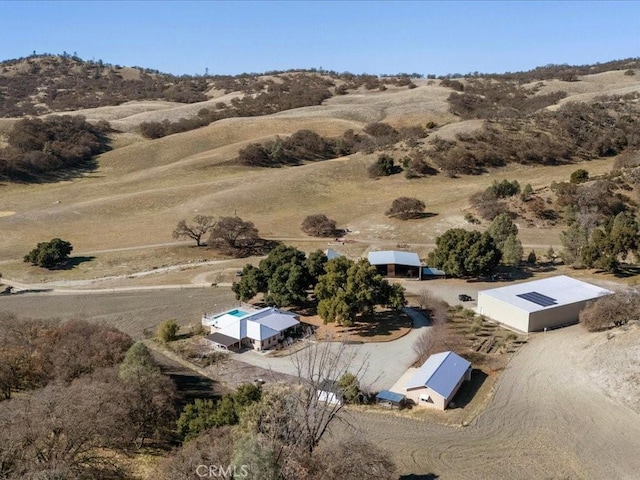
(383, 362)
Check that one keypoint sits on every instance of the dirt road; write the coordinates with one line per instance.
(546, 420)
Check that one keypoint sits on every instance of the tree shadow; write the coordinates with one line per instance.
(468, 390)
(625, 271)
(379, 324)
(73, 262)
(419, 476)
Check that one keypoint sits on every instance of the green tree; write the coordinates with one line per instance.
(315, 265)
(501, 228)
(383, 167)
(149, 397)
(463, 253)
(512, 251)
(287, 276)
(527, 191)
(532, 258)
(349, 387)
(49, 254)
(168, 331)
(349, 289)
(251, 283)
(574, 240)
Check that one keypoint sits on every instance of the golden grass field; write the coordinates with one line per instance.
(142, 188)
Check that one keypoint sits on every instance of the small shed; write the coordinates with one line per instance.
(329, 392)
(396, 264)
(437, 381)
(331, 254)
(390, 399)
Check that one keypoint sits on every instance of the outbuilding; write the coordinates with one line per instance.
(329, 392)
(438, 379)
(539, 304)
(396, 264)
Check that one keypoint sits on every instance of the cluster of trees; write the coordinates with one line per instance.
(343, 289)
(348, 289)
(92, 395)
(55, 146)
(575, 131)
(284, 277)
(464, 253)
(602, 228)
(231, 235)
(489, 203)
(279, 430)
(49, 254)
(383, 167)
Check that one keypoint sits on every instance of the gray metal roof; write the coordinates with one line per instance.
(563, 289)
(386, 257)
(390, 396)
(441, 373)
(221, 339)
(432, 271)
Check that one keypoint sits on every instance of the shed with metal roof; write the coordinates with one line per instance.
(438, 379)
(539, 304)
(396, 264)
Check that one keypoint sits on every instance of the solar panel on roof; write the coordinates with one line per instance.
(538, 299)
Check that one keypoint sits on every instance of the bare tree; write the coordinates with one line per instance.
(201, 225)
(293, 418)
(611, 311)
(234, 233)
(319, 225)
(437, 310)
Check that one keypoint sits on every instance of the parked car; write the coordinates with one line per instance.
(464, 297)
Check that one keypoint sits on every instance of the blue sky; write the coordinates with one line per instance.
(373, 37)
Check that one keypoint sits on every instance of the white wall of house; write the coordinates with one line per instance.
(426, 397)
(329, 397)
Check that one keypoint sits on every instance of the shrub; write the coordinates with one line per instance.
(168, 331)
(49, 254)
(579, 176)
(383, 167)
(504, 189)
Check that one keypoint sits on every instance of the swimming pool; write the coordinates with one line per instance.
(237, 313)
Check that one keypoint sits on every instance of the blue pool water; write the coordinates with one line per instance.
(237, 313)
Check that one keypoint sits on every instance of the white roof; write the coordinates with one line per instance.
(559, 291)
(441, 373)
(258, 325)
(386, 257)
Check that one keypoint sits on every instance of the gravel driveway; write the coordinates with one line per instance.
(383, 362)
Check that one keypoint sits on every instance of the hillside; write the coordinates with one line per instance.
(141, 188)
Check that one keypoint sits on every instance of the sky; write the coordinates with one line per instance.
(375, 37)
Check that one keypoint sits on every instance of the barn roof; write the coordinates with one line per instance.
(386, 257)
(441, 373)
(546, 293)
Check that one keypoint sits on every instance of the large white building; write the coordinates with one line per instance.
(539, 304)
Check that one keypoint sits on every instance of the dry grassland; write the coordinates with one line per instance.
(142, 188)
